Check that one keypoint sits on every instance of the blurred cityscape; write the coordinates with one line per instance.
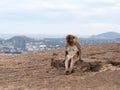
(25, 44)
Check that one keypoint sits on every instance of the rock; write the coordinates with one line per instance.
(114, 63)
(58, 64)
(79, 66)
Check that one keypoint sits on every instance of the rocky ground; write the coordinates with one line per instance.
(100, 70)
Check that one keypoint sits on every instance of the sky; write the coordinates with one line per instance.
(83, 17)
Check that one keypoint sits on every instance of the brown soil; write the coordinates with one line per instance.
(100, 70)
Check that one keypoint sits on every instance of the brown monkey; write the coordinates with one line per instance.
(72, 52)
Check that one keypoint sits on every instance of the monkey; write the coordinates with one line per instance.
(72, 53)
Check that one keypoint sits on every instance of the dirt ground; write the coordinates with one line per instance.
(33, 71)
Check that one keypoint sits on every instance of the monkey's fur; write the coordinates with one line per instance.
(72, 53)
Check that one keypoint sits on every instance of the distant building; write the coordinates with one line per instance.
(19, 44)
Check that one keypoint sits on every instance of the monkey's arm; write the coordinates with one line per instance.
(66, 53)
(80, 54)
(79, 51)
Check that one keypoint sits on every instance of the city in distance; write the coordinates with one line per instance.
(17, 44)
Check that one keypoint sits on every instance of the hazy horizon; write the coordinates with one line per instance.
(88, 17)
(38, 36)
(9, 35)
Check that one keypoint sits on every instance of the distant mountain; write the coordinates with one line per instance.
(107, 35)
(26, 39)
(117, 39)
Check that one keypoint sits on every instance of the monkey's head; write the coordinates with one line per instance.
(70, 39)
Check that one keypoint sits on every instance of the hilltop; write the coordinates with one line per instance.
(25, 38)
(33, 71)
(107, 35)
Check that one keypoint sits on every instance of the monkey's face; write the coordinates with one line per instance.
(70, 39)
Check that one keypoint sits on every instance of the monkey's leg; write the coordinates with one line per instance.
(67, 65)
(72, 65)
(73, 60)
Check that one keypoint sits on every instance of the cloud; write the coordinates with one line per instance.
(63, 14)
(36, 8)
(49, 28)
(101, 1)
(36, 4)
(83, 9)
(101, 26)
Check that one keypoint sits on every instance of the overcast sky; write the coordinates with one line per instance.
(83, 17)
